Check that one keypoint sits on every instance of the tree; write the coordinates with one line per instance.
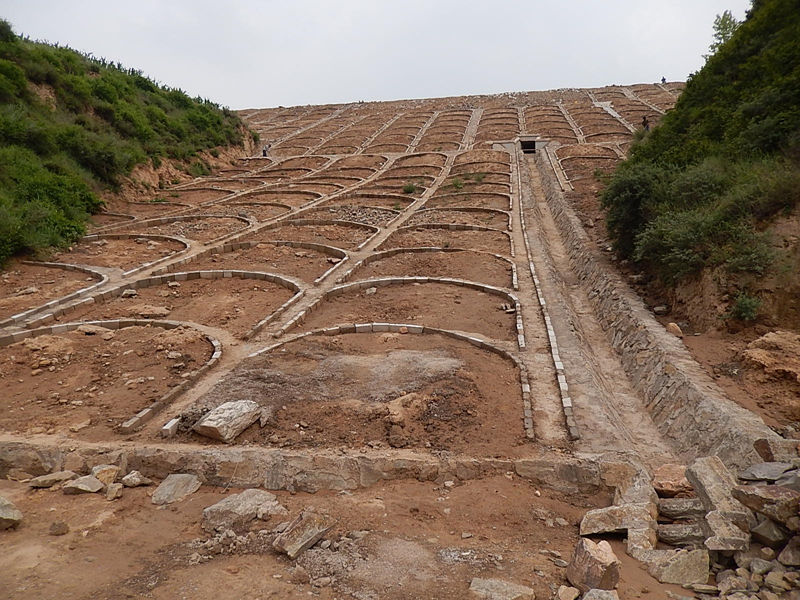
(725, 25)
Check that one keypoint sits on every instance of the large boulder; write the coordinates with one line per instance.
(238, 510)
(175, 487)
(593, 566)
(228, 420)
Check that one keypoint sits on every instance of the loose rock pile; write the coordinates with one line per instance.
(744, 538)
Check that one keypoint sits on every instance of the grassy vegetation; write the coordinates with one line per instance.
(72, 125)
(699, 190)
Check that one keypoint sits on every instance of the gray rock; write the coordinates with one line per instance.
(601, 595)
(776, 502)
(681, 534)
(51, 479)
(135, 479)
(58, 528)
(228, 420)
(725, 533)
(759, 566)
(106, 473)
(113, 491)
(88, 484)
(567, 593)
(617, 518)
(302, 533)
(713, 484)
(790, 555)
(10, 515)
(593, 566)
(496, 589)
(682, 567)
(790, 479)
(681, 508)
(775, 581)
(238, 510)
(766, 471)
(175, 487)
(769, 533)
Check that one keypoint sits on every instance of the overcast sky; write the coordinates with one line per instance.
(262, 53)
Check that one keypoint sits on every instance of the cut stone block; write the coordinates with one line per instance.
(681, 508)
(238, 510)
(617, 518)
(593, 566)
(724, 534)
(302, 533)
(228, 420)
(497, 589)
(682, 534)
(773, 501)
(713, 484)
(175, 487)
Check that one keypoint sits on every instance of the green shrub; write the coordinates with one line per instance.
(745, 307)
(409, 188)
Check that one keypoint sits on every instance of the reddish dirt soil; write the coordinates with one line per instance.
(52, 383)
(291, 198)
(393, 201)
(23, 287)
(472, 266)
(495, 201)
(367, 215)
(106, 219)
(146, 210)
(338, 236)
(495, 242)
(303, 263)
(413, 528)
(124, 253)
(202, 229)
(233, 304)
(445, 306)
(250, 210)
(403, 391)
(193, 196)
(461, 217)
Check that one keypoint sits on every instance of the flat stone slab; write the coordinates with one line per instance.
(51, 479)
(10, 515)
(228, 420)
(681, 534)
(497, 589)
(681, 508)
(682, 567)
(617, 518)
(88, 484)
(766, 471)
(302, 533)
(175, 487)
(773, 501)
(238, 510)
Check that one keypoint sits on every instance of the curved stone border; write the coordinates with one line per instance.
(422, 329)
(462, 193)
(388, 281)
(174, 219)
(687, 407)
(147, 236)
(57, 301)
(457, 227)
(245, 194)
(301, 222)
(563, 386)
(295, 286)
(148, 413)
(376, 256)
(232, 246)
(472, 209)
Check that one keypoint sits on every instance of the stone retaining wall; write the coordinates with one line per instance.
(688, 408)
